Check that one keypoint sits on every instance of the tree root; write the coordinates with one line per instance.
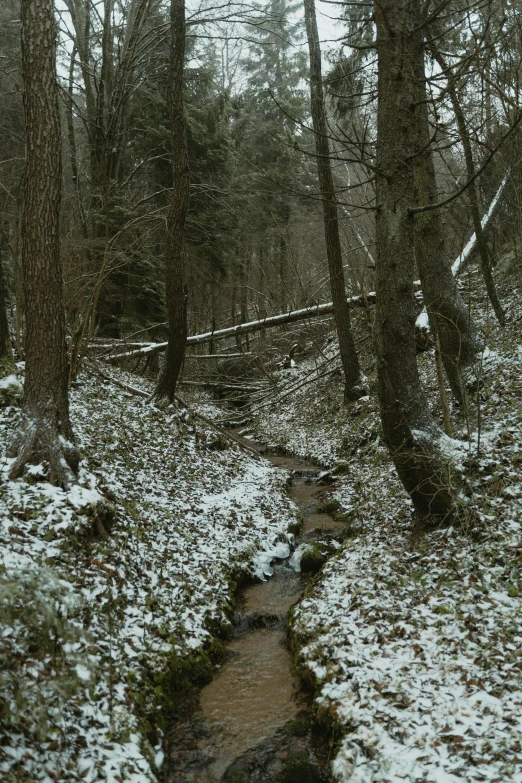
(39, 443)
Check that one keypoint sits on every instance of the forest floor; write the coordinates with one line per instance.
(99, 635)
(411, 641)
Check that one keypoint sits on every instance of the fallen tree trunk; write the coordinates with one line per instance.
(459, 262)
(252, 326)
(296, 315)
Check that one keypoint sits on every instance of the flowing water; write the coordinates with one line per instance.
(251, 723)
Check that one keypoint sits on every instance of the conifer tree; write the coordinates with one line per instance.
(45, 434)
(350, 361)
(176, 296)
(410, 432)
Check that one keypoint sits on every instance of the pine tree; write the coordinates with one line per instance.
(45, 434)
(176, 297)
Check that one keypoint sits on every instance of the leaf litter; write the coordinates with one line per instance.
(89, 624)
(414, 640)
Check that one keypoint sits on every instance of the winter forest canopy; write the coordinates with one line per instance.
(260, 277)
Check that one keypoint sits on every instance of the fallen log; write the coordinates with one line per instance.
(461, 260)
(223, 386)
(218, 355)
(252, 326)
(458, 264)
(149, 397)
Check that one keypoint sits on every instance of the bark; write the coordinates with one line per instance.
(352, 373)
(473, 191)
(6, 352)
(176, 295)
(450, 320)
(410, 432)
(45, 434)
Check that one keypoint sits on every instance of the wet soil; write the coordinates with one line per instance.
(251, 724)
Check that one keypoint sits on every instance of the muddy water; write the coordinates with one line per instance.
(251, 724)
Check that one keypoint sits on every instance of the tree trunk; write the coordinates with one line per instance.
(473, 191)
(176, 295)
(6, 352)
(450, 320)
(350, 362)
(45, 434)
(410, 432)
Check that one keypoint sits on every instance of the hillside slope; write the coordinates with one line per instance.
(412, 640)
(98, 633)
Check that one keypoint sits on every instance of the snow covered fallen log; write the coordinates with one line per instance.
(282, 319)
(422, 322)
(471, 244)
(252, 326)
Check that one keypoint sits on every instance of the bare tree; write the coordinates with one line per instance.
(350, 361)
(176, 296)
(45, 434)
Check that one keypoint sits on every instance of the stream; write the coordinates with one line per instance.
(251, 723)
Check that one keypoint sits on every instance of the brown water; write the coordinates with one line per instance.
(241, 729)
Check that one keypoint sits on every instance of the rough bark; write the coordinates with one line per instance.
(352, 372)
(45, 435)
(410, 432)
(450, 320)
(176, 296)
(6, 351)
(473, 191)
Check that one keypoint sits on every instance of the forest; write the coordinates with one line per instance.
(260, 391)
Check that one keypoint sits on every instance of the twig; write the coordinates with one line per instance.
(219, 429)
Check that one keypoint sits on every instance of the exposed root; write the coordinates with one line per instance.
(39, 444)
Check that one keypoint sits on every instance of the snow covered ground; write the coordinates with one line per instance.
(414, 640)
(97, 633)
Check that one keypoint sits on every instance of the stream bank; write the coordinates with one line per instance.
(252, 723)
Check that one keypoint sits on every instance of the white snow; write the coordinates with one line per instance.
(414, 641)
(10, 382)
(189, 520)
(470, 245)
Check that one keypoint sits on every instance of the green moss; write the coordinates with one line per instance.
(13, 393)
(296, 526)
(298, 770)
(7, 366)
(236, 776)
(313, 558)
(328, 507)
(340, 468)
(298, 727)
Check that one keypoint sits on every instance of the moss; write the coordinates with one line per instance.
(13, 393)
(103, 515)
(340, 468)
(328, 507)
(314, 557)
(298, 770)
(296, 526)
(298, 727)
(157, 697)
(7, 366)
(236, 776)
